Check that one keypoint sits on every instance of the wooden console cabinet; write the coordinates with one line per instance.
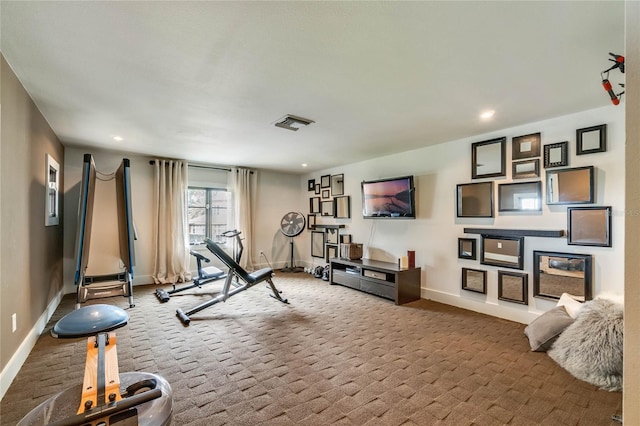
(383, 279)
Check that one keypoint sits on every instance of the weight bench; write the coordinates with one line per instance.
(106, 397)
(205, 275)
(241, 276)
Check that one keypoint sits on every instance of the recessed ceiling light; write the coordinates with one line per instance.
(487, 114)
(304, 164)
(118, 138)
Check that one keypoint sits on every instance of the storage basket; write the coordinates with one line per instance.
(351, 251)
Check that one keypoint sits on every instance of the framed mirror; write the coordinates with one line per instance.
(526, 146)
(589, 226)
(507, 252)
(556, 155)
(475, 199)
(311, 221)
(467, 248)
(591, 139)
(326, 208)
(525, 169)
(474, 280)
(325, 181)
(317, 244)
(513, 287)
(488, 158)
(571, 186)
(342, 207)
(557, 273)
(314, 205)
(337, 184)
(522, 196)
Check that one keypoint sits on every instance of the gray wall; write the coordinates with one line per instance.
(31, 273)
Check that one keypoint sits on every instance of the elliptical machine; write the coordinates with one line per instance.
(208, 273)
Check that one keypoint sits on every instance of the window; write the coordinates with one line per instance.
(208, 210)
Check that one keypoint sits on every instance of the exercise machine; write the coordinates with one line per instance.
(244, 281)
(105, 397)
(206, 274)
(121, 282)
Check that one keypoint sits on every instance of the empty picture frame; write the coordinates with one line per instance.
(591, 139)
(314, 205)
(332, 252)
(526, 146)
(337, 184)
(556, 273)
(589, 226)
(525, 169)
(317, 189)
(556, 154)
(326, 208)
(325, 194)
(521, 196)
(332, 236)
(474, 199)
(317, 244)
(571, 186)
(488, 158)
(513, 287)
(342, 207)
(507, 252)
(311, 221)
(474, 280)
(325, 181)
(467, 248)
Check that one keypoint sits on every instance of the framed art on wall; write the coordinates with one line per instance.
(507, 252)
(337, 185)
(314, 205)
(311, 185)
(556, 155)
(325, 181)
(526, 146)
(591, 139)
(589, 226)
(311, 221)
(467, 248)
(525, 169)
(488, 158)
(521, 196)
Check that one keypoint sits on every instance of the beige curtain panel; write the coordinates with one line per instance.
(243, 191)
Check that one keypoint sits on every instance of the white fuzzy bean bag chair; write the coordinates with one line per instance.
(591, 348)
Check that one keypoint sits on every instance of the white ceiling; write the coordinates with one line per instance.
(205, 81)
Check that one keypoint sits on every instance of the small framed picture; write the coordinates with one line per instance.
(513, 287)
(345, 238)
(591, 139)
(317, 189)
(556, 154)
(311, 221)
(474, 280)
(525, 169)
(325, 194)
(326, 208)
(325, 181)
(467, 248)
(314, 205)
(589, 226)
(526, 146)
(311, 185)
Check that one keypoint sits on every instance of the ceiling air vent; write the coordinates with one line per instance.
(292, 122)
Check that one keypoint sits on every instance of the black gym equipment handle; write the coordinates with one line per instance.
(104, 411)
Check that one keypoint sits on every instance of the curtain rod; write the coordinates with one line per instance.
(198, 166)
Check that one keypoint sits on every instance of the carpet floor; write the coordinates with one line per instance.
(332, 356)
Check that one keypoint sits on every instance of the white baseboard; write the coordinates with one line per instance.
(10, 371)
(521, 315)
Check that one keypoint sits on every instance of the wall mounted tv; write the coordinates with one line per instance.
(389, 198)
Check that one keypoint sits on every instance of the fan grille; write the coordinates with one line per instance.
(292, 224)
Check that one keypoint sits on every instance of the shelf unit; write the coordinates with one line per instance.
(331, 246)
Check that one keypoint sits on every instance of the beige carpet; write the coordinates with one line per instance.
(333, 356)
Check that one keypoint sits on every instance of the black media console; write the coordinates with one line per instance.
(383, 279)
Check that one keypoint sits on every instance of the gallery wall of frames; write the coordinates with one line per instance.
(540, 175)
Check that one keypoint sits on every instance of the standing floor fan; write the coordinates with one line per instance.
(292, 225)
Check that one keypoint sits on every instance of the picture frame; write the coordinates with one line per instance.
(556, 273)
(317, 189)
(488, 158)
(337, 184)
(513, 287)
(311, 185)
(317, 244)
(520, 196)
(345, 238)
(591, 139)
(589, 226)
(325, 194)
(505, 252)
(526, 146)
(556, 154)
(474, 199)
(571, 186)
(525, 169)
(467, 248)
(332, 252)
(342, 208)
(326, 208)
(474, 280)
(311, 221)
(325, 181)
(314, 205)
(52, 192)
(333, 236)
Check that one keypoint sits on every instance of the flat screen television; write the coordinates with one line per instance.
(389, 198)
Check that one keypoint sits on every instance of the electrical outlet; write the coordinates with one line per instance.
(14, 323)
